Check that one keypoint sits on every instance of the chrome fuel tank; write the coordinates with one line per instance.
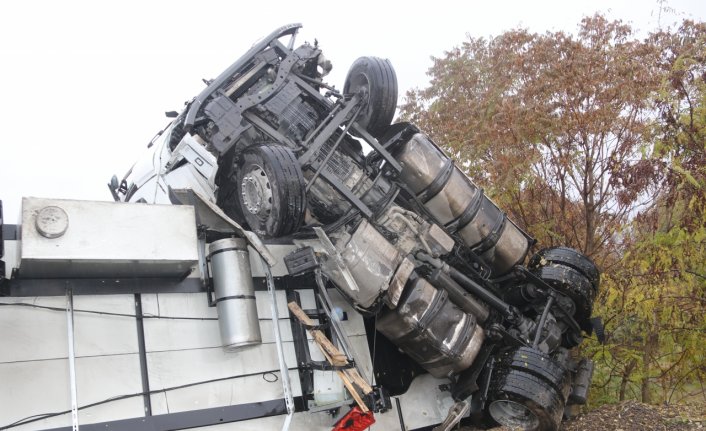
(460, 205)
(432, 330)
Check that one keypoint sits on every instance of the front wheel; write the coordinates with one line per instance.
(271, 190)
(374, 79)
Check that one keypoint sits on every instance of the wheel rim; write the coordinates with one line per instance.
(257, 192)
(513, 415)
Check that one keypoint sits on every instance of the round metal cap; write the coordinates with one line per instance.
(51, 222)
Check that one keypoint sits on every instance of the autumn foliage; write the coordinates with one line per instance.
(597, 140)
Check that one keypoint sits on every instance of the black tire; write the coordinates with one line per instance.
(568, 257)
(271, 190)
(533, 361)
(571, 283)
(520, 400)
(376, 78)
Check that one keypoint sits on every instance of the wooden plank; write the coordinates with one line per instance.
(299, 313)
(338, 358)
(353, 391)
(348, 382)
(350, 376)
(352, 373)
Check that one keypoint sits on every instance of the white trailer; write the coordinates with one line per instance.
(106, 324)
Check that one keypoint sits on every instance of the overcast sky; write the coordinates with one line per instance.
(84, 84)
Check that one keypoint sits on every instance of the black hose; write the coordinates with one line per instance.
(483, 294)
(458, 295)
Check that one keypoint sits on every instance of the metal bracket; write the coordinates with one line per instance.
(72, 358)
(394, 164)
(456, 413)
(195, 105)
(336, 259)
(284, 371)
(334, 322)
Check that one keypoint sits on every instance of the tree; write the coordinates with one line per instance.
(672, 243)
(681, 130)
(552, 124)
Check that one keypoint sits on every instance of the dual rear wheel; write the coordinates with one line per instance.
(572, 274)
(528, 390)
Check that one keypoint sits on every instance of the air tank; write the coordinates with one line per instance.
(234, 293)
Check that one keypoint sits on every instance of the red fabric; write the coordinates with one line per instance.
(355, 420)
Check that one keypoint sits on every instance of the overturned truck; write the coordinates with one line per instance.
(379, 212)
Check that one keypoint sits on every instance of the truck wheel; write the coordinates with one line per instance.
(535, 362)
(527, 397)
(568, 257)
(376, 79)
(271, 190)
(571, 283)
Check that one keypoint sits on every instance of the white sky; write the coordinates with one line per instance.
(84, 84)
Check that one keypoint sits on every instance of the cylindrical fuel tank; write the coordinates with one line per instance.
(432, 330)
(234, 292)
(459, 205)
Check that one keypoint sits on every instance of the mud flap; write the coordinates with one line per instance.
(582, 382)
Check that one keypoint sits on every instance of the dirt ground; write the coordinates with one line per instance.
(634, 416)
